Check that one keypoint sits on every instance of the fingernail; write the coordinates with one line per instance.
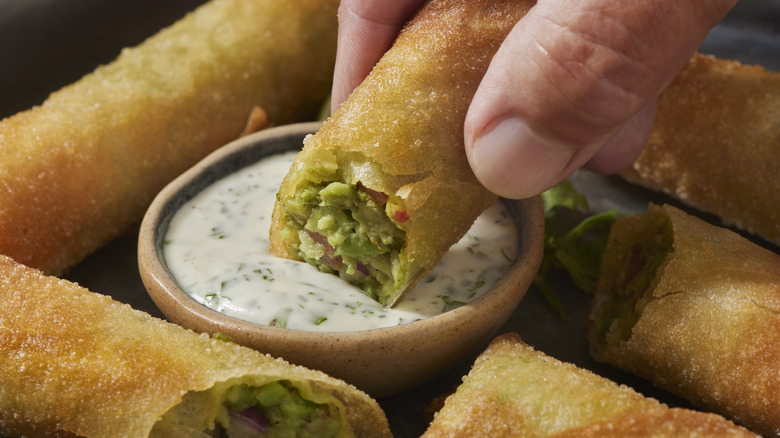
(513, 162)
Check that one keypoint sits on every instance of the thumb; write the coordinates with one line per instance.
(571, 78)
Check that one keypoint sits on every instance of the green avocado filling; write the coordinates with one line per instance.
(347, 230)
(274, 410)
(635, 263)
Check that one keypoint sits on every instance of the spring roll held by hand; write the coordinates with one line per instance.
(695, 309)
(515, 391)
(81, 168)
(76, 362)
(383, 189)
(715, 144)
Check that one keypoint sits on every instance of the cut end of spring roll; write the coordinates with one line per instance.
(695, 309)
(346, 215)
(515, 391)
(73, 362)
(384, 188)
(334, 222)
(630, 273)
(253, 407)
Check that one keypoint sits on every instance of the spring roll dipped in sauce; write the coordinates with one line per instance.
(695, 309)
(515, 391)
(76, 363)
(80, 169)
(383, 189)
(715, 142)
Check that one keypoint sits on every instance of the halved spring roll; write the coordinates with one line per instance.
(384, 188)
(715, 142)
(515, 391)
(695, 309)
(81, 169)
(76, 363)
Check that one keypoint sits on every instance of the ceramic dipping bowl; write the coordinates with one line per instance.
(381, 361)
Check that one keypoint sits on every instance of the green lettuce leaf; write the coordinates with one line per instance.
(575, 241)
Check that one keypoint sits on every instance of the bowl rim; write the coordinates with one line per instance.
(166, 293)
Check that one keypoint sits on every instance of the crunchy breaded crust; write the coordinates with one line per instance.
(715, 143)
(711, 331)
(76, 362)
(514, 391)
(401, 130)
(80, 169)
(666, 423)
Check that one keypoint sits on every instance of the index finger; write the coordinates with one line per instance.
(367, 28)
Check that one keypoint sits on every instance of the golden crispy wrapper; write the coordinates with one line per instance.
(715, 143)
(80, 169)
(73, 362)
(695, 309)
(514, 391)
(400, 134)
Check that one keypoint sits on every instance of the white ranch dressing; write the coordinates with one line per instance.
(217, 249)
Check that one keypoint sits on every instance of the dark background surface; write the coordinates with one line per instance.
(46, 44)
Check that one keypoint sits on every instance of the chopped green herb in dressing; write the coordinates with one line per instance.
(218, 251)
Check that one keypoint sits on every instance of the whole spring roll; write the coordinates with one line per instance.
(695, 309)
(715, 142)
(76, 363)
(80, 169)
(384, 188)
(515, 391)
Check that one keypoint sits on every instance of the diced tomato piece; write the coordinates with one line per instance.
(400, 216)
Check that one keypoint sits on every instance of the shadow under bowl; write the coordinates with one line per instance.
(381, 361)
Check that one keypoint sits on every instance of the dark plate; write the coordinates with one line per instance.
(46, 44)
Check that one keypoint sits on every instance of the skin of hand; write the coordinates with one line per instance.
(574, 83)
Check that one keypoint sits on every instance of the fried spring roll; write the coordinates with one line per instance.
(715, 142)
(73, 362)
(383, 189)
(80, 169)
(695, 309)
(514, 391)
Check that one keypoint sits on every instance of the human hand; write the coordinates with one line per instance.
(574, 83)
